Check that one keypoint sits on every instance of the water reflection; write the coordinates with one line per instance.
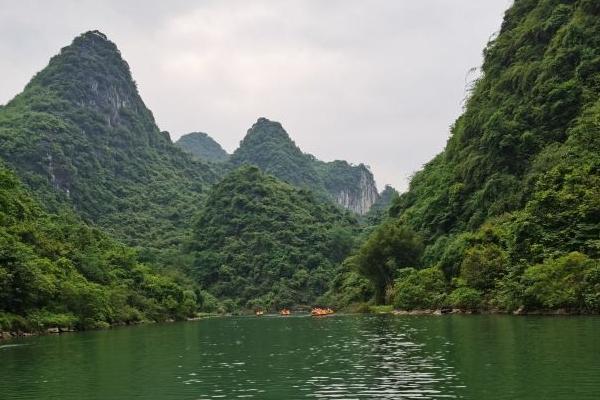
(369, 357)
(383, 362)
(349, 357)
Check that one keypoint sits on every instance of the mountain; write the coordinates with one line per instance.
(84, 144)
(260, 242)
(379, 209)
(268, 146)
(202, 146)
(55, 271)
(352, 187)
(509, 212)
(80, 135)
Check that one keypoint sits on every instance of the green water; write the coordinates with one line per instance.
(345, 357)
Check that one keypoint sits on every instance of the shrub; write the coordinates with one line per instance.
(419, 289)
(13, 323)
(42, 319)
(591, 288)
(483, 265)
(569, 281)
(465, 298)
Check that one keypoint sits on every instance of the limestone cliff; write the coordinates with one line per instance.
(352, 186)
(268, 146)
(361, 197)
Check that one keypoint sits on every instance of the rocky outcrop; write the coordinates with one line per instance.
(110, 89)
(379, 209)
(358, 193)
(268, 146)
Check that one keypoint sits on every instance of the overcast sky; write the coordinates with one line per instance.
(377, 82)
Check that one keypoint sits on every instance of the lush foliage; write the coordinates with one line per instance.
(57, 272)
(420, 289)
(349, 288)
(268, 146)
(506, 217)
(390, 248)
(202, 146)
(80, 135)
(571, 281)
(259, 242)
(379, 210)
(81, 139)
(517, 188)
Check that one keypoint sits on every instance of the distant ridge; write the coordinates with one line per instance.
(268, 146)
(202, 146)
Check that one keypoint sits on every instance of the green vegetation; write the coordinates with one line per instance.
(259, 242)
(82, 141)
(419, 289)
(202, 146)
(571, 281)
(268, 146)
(505, 218)
(80, 135)
(348, 289)
(389, 249)
(55, 271)
(379, 209)
(509, 212)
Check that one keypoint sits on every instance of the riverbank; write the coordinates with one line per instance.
(366, 309)
(359, 309)
(58, 330)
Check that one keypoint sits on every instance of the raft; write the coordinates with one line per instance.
(319, 312)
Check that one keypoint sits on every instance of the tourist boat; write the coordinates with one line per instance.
(259, 313)
(319, 312)
(285, 312)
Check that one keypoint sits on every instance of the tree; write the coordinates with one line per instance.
(482, 265)
(389, 248)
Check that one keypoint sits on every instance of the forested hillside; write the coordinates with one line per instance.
(98, 172)
(508, 215)
(379, 209)
(55, 271)
(202, 146)
(79, 134)
(268, 146)
(260, 242)
(104, 220)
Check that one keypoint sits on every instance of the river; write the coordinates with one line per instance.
(339, 357)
